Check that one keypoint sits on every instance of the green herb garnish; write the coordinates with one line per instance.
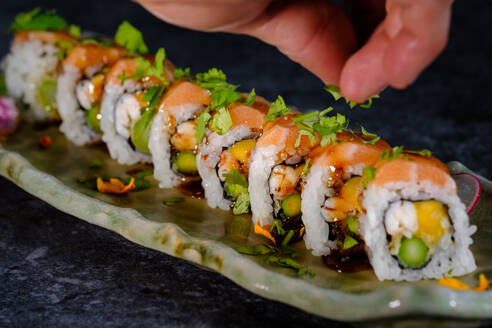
(65, 48)
(423, 152)
(349, 242)
(237, 187)
(74, 31)
(375, 137)
(305, 169)
(369, 174)
(96, 164)
(37, 20)
(250, 100)
(277, 109)
(221, 121)
(329, 127)
(334, 91)
(202, 123)
(153, 97)
(260, 249)
(173, 200)
(145, 68)
(289, 263)
(337, 94)
(130, 38)
(3, 85)
(184, 74)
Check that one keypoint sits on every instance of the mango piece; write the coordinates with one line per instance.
(242, 150)
(430, 214)
(351, 190)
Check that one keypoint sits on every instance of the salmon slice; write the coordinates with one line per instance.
(90, 55)
(128, 66)
(351, 151)
(51, 37)
(284, 132)
(414, 168)
(251, 116)
(182, 93)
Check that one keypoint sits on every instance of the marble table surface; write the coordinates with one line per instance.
(56, 270)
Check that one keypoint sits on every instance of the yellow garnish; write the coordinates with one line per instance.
(483, 284)
(115, 186)
(259, 230)
(301, 232)
(454, 283)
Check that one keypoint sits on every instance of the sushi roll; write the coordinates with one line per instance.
(224, 158)
(331, 198)
(134, 87)
(415, 226)
(277, 170)
(31, 67)
(172, 141)
(80, 90)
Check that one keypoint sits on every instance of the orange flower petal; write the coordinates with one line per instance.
(483, 284)
(115, 186)
(259, 230)
(453, 283)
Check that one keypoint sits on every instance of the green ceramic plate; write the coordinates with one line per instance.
(192, 231)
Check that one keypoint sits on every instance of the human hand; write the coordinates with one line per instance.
(405, 36)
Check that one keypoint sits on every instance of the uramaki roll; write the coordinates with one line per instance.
(415, 226)
(80, 90)
(121, 108)
(277, 171)
(172, 140)
(332, 194)
(221, 154)
(31, 70)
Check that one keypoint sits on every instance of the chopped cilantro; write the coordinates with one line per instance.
(334, 91)
(241, 206)
(202, 123)
(397, 151)
(173, 200)
(145, 68)
(250, 100)
(305, 125)
(305, 169)
(3, 85)
(130, 38)
(153, 96)
(368, 104)
(288, 263)
(260, 249)
(143, 174)
(349, 242)
(74, 31)
(375, 137)
(276, 227)
(96, 164)
(277, 108)
(184, 74)
(88, 41)
(221, 121)
(369, 174)
(123, 77)
(235, 177)
(37, 20)
(423, 152)
(65, 47)
(221, 98)
(329, 127)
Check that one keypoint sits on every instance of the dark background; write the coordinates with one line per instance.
(56, 270)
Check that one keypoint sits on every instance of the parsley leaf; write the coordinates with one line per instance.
(202, 123)
(130, 38)
(250, 100)
(369, 173)
(221, 121)
(37, 20)
(277, 109)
